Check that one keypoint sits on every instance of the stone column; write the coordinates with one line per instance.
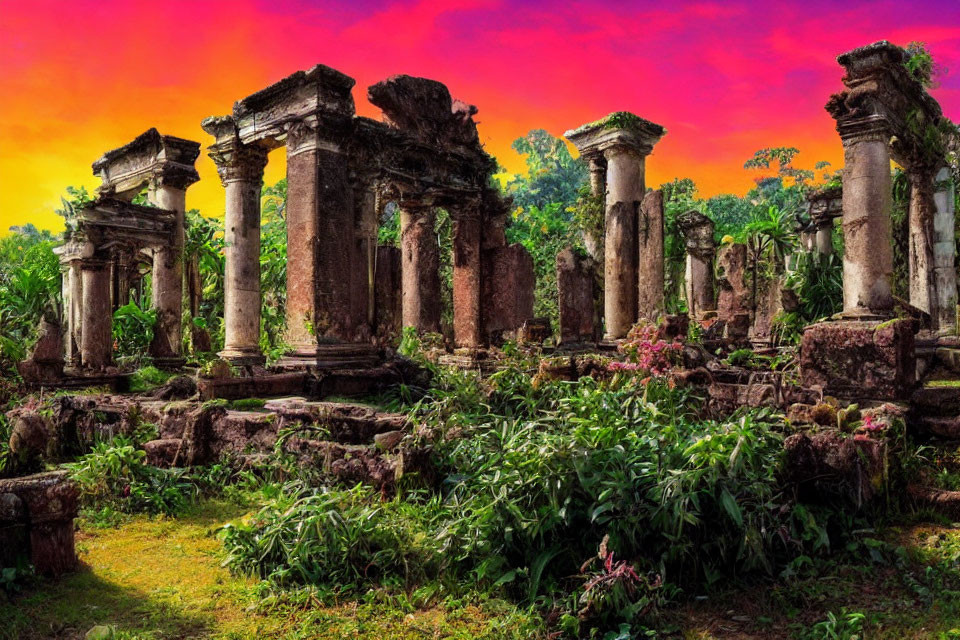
(867, 201)
(73, 312)
(650, 276)
(96, 338)
(241, 172)
(923, 285)
(624, 193)
(699, 285)
(944, 251)
(168, 275)
(320, 238)
(466, 280)
(824, 239)
(420, 269)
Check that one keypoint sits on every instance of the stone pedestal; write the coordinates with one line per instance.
(868, 253)
(576, 280)
(241, 171)
(859, 359)
(40, 509)
(168, 279)
(420, 260)
(466, 282)
(96, 338)
(650, 257)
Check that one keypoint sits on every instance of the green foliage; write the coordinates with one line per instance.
(29, 287)
(553, 176)
(114, 475)
(147, 378)
(273, 267)
(817, 281)
(133, 330)
(543, 233)
(535, 481)
(920, 64)
(341, 537)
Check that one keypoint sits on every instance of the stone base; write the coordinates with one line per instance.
(333, 356)
(239, 358)
(81, 379)
(859, 359)
(169, 363)
(293, 383)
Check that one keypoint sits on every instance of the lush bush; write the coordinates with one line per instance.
(535, 482)
(114, 475)
(29, 286)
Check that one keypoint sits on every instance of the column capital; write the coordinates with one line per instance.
(305, 135)
(871, 128)
(238, 162)
(617, 129)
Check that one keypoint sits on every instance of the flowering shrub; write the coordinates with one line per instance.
(646, 351)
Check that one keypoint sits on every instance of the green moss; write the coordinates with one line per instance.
(951, 384)
(214, 403)
(247, 404)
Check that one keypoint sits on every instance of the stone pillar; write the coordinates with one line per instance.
(923, 284)
(420, 270)
(699, 285)
(320, 239)
(650, 276)
(867, 201)
(73, 309)
(824, 239)
(241, 172)
(466, 281)
(944, 251)
(168, 276)
(624, 193)
(575, 290)
(96, 338)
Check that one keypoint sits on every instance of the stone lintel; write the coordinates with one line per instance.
(617, 129)
(150, 157)
(320, 92)
(108, 220)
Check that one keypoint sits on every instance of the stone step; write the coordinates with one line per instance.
(163, 452)
(948, 358)
(935, 401)
(947, 427)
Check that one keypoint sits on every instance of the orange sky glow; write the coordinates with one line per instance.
(724, 78)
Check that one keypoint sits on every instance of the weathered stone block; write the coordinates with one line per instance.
(576, 285)
(507, 283)
(859, 359)
(387, 292)
(48, 507)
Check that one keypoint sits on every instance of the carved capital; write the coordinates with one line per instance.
(306, 135)
(239, 162)
(871, 128)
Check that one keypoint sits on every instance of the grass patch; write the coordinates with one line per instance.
(157, 577)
